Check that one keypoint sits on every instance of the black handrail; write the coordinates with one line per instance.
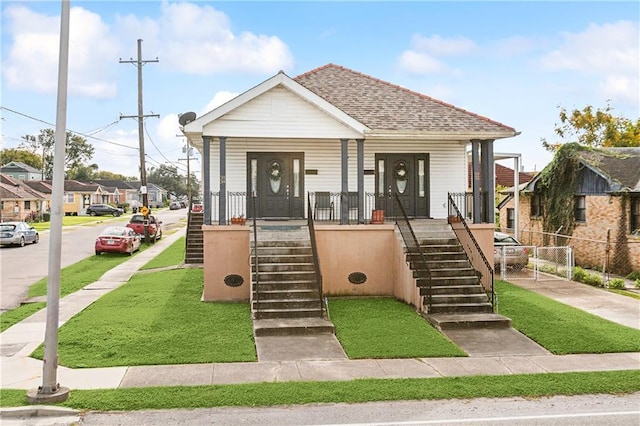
(256, 281)
(488, 269)
(316, 258)
(413, 247)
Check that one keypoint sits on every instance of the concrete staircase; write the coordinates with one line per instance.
(285, 295)
(457, 296)
(194, 253)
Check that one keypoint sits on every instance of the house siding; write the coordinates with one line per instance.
(325, 157)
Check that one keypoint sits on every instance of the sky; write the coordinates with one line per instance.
(514, 62)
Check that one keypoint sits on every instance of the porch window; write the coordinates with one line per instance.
(635, 214)
(380, 178)
(536, 205)
(421, 178)
(296, 177)
(69, 197)
(580, 208)
(511, 215)
(27, 205)
(254, 177)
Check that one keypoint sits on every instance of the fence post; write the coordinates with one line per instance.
(607, 251)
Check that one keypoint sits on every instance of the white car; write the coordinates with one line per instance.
(17, 233)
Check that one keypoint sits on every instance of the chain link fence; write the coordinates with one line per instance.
(534, 263)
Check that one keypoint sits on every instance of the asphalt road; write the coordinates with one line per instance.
(23, 266)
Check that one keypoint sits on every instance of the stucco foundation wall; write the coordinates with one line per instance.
(226, 251)
(369, 249)
(483, 234)
(405, 288)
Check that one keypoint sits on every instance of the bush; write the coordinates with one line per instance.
(579, 274)
(638, 283)
(617, 283)
(594, 280)
(635, 275)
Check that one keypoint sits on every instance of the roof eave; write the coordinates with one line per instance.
(438, 136)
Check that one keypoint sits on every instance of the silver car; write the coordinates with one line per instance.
(507, 248)
(17, 233)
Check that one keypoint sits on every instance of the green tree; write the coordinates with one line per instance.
(168, 178)
(595, 128)
(82, 173)
(106, 175)
(78, 150)
(8, 155)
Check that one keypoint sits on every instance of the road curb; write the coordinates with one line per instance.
(37, 411)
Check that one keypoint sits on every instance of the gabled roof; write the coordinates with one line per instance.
(620, 167)
(120, 184)
(150, 186)
(385, 107)
(16, 189)
(42, 186)
(369, 106)
(504, 176)
(17, 165)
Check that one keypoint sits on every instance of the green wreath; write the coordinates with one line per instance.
(275, 171)
(400, 171)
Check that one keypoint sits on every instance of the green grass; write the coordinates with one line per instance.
(157, 318)
(560, 328)
(632, 294)
(354, 391)
(386, 328)
(171, 256)
(14, 316)
(71, 221)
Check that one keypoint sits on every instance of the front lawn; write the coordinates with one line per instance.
(386, 328)
(157, 318)
(560, 328)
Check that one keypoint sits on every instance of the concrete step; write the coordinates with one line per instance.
(456, 289)
(286, 304)
(295, 294)
(288, 313)
(444, 273)
(284, 267)
(283, 258)
(292, 327)
(448, 299)
(309, 285)
(447, 281)
(460, 308)
(283, 276)
(461, 321)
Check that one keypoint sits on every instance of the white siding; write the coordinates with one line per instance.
(279, 113)
(447, 164)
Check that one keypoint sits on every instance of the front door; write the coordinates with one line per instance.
(408, 176)
(276, 180)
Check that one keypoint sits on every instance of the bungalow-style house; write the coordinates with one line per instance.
(591, 199)
(339, 157)
(21, 171)
(78, 195)
(127, 191)
(19, 202)
(156, 195)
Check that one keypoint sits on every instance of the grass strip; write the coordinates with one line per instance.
(386, 328)
(157, 318)
(171, 256)
(354, 391)
(14, 316)
(560, 328)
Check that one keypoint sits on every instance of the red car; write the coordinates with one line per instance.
(118, 239)
(197, 207)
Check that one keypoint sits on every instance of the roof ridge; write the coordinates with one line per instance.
(413, 92)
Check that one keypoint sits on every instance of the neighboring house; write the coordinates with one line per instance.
(20, 202)
(127, 191)
(335, 130)
(78, 195)
(156, 195)
(504, 176)
(21, 171)
(604, 204)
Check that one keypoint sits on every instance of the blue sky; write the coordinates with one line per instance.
(514, 62)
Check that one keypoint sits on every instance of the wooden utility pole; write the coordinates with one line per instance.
(140, 117)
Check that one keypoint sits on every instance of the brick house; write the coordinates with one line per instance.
(19, 201)
(605, 213)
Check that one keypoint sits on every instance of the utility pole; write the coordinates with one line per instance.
(188, 150)
(140, 117)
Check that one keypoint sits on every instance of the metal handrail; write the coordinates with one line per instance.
(316, 258)
(256, 281)
(413, 246)
(489, 269)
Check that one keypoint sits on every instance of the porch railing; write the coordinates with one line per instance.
(255, 294)
(413, 248)
(474, 253)
(464, 202)
(316, 258)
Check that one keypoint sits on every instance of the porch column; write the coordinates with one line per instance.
(360, 145)
(488, 179)
(222, 200)
(344, 193)
(206, 166)
(475, 179)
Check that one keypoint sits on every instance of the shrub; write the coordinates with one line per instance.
(638, 283)
(579, 274)
(635, 275)
(617, 283)
(594, 280)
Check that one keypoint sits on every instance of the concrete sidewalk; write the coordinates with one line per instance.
(491, 354)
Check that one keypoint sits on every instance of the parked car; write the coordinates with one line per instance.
(508, 248)
(197, 207)
(103, 210)
(17, 233)
(118, 239)
(175, 205)
(137, 223)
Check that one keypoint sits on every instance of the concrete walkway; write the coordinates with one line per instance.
(322, 359)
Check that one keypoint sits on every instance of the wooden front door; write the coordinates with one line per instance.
(408, 176)
(276, 179)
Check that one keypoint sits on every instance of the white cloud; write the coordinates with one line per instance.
(439, 46)
(217, 100)
(610, 52)
(32, 59)
(516, 45)
(420, 63)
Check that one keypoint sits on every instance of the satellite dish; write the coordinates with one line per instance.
(186, 118)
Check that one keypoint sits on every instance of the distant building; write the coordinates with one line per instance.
(21, 171)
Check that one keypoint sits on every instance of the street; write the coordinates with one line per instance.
(23, 266)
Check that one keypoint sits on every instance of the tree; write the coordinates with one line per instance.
(106, 175)
(168, 178)
(599, 128)
(83, 173)
(8, 155)
(78, 150)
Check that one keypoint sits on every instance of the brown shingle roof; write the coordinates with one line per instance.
(383, 106)
(620, 165)
(504, 176)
